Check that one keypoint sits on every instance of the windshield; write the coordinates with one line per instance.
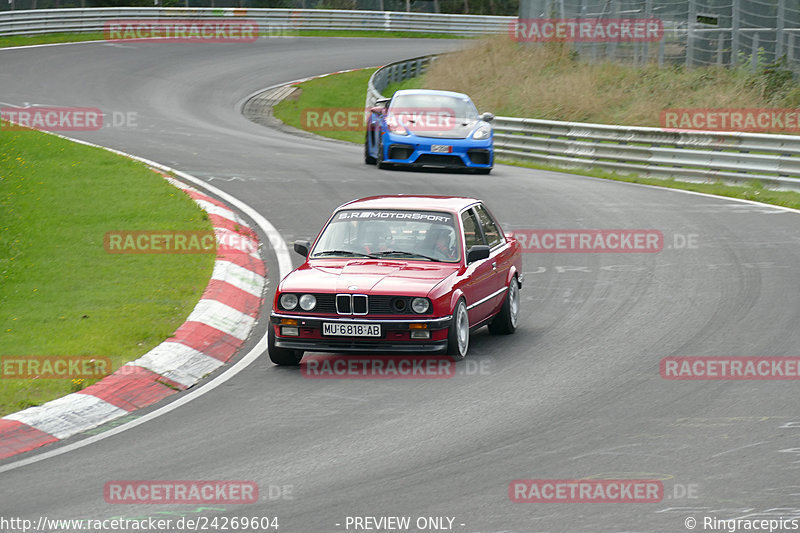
(416, 235)
(425, 104)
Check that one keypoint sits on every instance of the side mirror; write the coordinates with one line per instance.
(302, 247)
(487, 117)
(477, 252)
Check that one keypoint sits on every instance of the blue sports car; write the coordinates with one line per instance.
(425, 128)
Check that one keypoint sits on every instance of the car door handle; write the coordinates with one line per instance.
(494, 265)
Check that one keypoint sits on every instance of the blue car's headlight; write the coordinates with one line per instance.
(482, 132)
(394, 125)
(398, 129)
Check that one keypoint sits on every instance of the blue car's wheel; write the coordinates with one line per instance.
(379, 161)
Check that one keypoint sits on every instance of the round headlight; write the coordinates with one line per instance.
(288, 301)
(420, 305)
(307, 302)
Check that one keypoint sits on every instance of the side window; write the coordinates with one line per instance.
(490, 229)
(472, 235)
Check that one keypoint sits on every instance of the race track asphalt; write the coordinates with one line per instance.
(575, 393)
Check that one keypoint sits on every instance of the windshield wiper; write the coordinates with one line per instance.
(403, 252)
(344, 252)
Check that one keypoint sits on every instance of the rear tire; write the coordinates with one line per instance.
(281, 356)
(505, 322)
(458, 335)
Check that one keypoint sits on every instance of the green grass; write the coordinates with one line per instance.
(50, 38)
(344, 91)
(552, 81)
(326, 96)
(61, 293)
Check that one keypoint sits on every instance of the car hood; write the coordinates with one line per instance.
(369, 276)
(458, 130)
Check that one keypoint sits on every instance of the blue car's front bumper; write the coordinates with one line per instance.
(413, 150)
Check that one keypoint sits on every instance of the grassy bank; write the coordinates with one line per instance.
(50, 38)
(551, 82)
(61, 293)
(316, 105)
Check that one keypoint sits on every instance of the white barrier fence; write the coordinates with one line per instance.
(271, 21)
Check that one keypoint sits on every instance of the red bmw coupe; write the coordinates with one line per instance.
(398, 274)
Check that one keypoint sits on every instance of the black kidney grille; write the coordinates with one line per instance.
(343, 304)
(360, 304)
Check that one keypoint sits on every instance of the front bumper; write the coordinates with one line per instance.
(395, 335)
(412, 150)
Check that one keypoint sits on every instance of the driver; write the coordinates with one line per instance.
(439, 243)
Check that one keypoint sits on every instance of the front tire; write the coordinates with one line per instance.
(458, 335)
(281, 356)
(379, 159)
(368, 159)
(505, 322)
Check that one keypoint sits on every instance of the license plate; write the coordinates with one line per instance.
(441, 148)
(351, 330)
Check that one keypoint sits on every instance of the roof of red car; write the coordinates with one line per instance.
(416, 202)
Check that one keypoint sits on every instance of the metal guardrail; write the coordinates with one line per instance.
(691, 156)
(700, 156)
(270, 20)
(395, 72)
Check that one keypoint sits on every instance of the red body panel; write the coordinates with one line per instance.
(482, 283)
